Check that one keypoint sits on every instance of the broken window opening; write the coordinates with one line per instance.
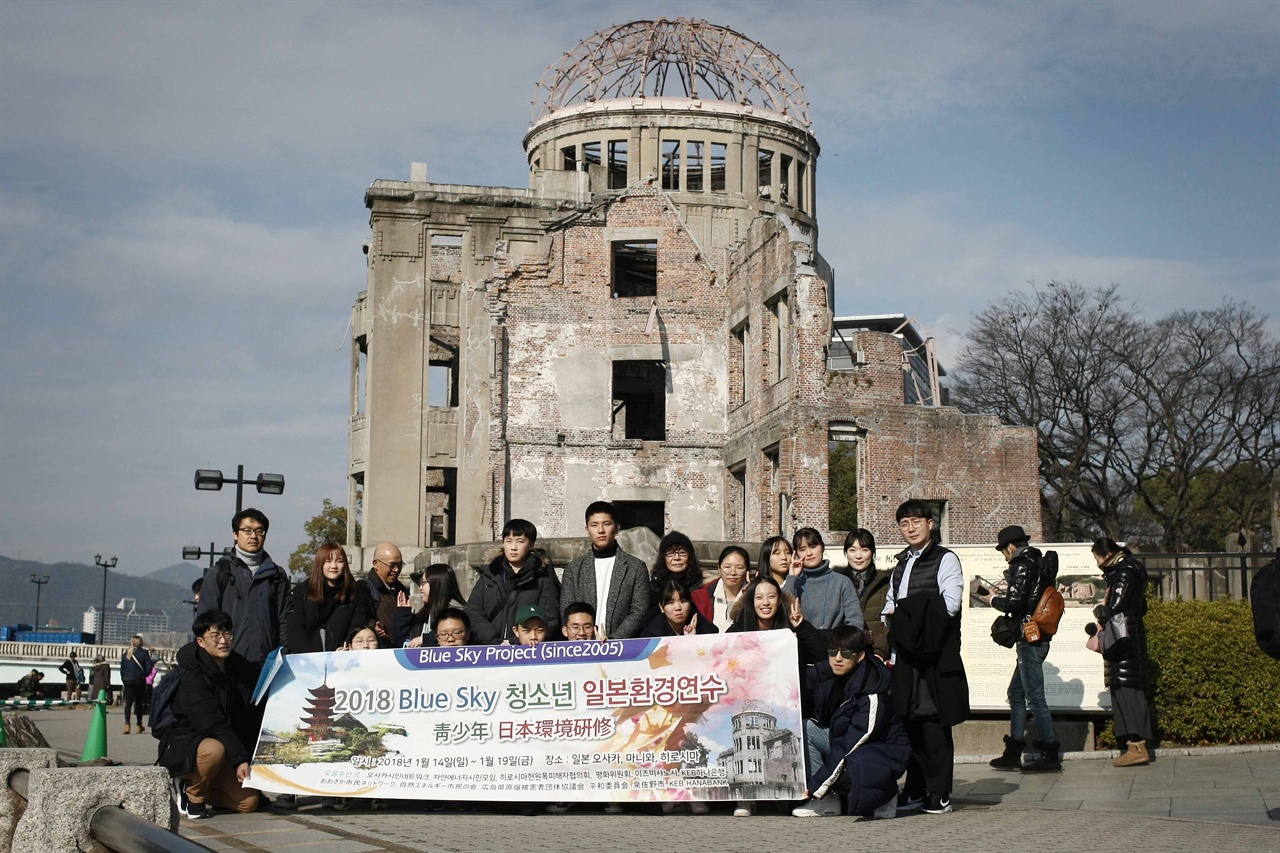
(779, 352)
(801, 179)
(764, 172)
(618, 164)
(640, 400)
(784, 180)
(441, 385)
(569, 158)
(773, 470)
(650, 514)
(738, 366)
(719, 171)
(361, 380)
(842, 477)
(670, 164)
(693, 167)
(738, 502)
(590, 155)
(635, 268)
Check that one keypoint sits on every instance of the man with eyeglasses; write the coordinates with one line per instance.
(930, 692)
(385, 589)
(248, 586)
(207, 747)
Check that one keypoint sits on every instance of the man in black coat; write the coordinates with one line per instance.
(209, 744)
(930, 692)
(1027, 581)
(248, 586)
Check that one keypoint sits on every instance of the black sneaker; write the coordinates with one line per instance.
(196, 811)
(937, 803)
(909, 802)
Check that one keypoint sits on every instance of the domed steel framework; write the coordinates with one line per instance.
(684, 57)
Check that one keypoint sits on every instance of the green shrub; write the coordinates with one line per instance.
(1210, 683)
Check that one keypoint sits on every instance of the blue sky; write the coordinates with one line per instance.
(181, 203)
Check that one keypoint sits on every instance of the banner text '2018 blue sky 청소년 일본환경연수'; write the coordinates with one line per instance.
(698, 717)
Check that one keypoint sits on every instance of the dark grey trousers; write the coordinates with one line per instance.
(1133, 719)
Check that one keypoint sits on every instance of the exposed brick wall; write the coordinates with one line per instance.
(551, 320)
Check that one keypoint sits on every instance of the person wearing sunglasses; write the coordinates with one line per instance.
(855, 745)
(247, 585)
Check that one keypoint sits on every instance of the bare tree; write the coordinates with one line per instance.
(1138, 422)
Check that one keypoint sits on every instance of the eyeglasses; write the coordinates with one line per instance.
(913, 522)
(581, 629)
(252, 531)
(213, 635)
(847, 654)
(396, 565)
(452, 635)
(677, 554)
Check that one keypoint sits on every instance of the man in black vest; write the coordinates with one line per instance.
(929, 690)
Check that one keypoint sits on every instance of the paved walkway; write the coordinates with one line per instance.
(1200, 801)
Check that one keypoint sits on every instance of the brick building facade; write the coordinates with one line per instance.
(650, 323)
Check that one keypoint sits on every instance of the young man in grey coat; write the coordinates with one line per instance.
(612, 581)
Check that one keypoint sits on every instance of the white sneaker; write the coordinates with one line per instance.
(826, 806)
(889, 809)
(745, 809)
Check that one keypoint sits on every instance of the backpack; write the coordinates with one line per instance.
(162, 713)
(1048, 610)
(1264, 599)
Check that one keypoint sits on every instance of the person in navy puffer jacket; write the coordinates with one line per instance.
(856, 746)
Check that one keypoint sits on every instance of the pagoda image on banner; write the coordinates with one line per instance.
(320, 736)
(319, 720)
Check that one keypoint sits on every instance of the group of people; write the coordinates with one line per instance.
(883, 682)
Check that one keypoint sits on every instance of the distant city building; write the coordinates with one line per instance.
(125, 620)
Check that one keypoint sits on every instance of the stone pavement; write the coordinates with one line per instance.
(1211, 800)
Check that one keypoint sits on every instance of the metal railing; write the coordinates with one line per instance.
(1206, 577)
(116, 829)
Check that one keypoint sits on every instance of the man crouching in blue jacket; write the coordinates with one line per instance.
(855, 744)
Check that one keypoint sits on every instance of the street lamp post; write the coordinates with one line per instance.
(39, 581)
(102, 616)
(209, 480)
(194, 552)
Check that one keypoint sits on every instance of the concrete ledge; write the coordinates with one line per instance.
(12, 806)
(60, 803)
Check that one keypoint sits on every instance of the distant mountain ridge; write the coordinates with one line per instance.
(75, 587)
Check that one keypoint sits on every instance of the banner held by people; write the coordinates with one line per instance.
(705, 717)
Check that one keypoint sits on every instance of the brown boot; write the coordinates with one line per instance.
(1136, 755)
(141, 728)
(127, 730)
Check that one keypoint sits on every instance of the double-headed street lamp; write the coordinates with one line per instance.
(195, 552)
(39, 581)
(208, 480)
(102, 616)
